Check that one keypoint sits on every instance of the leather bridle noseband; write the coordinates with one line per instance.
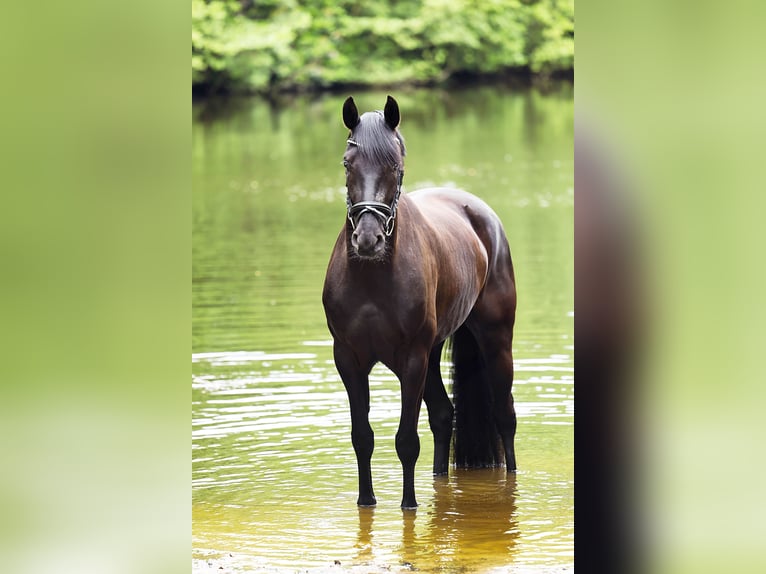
(386, 213)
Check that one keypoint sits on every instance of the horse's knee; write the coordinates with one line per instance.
(407, 447)
(363, 440)
(441, 421)
(505, 416)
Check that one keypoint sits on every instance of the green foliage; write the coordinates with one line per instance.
(261, 46)
(550, 36)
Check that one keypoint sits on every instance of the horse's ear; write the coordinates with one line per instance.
(391, 113)
(350, 113)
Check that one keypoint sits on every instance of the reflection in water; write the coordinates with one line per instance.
(470, 521)
(474, 517)
(364, 540)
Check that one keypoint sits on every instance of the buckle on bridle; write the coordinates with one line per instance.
(388, 228)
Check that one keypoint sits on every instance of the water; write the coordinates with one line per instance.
(274, 473)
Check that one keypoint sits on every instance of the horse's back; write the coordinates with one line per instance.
(457, 198)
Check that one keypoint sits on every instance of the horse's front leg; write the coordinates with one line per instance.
(412, 378)
(356, 380)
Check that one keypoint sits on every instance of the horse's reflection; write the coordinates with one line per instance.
(364, 539)
(473, 518)
(470, 522)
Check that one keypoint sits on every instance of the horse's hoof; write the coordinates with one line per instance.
(413, 506)
(367, 502)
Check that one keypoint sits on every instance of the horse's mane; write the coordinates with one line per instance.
(372, 137)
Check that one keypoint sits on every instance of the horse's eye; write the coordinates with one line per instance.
(345, 163)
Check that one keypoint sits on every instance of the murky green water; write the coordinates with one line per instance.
(274, 473)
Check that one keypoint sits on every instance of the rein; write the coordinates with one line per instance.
(386, 213)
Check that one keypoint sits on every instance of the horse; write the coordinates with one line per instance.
(408, 272)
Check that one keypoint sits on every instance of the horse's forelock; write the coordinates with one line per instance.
(374, 140)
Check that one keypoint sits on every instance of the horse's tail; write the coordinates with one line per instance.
(476, 439)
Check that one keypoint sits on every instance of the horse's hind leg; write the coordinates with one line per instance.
(492, 325)
(501, 373)
(440, 411)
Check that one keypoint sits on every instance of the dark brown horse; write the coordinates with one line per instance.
(408, 271)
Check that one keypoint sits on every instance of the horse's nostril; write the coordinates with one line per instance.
(367, 243)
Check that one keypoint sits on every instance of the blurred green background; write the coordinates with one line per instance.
(672, 94)
(255, 46)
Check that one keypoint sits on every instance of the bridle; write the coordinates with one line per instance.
(386, 213)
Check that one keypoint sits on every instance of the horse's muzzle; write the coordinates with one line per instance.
(368, 243)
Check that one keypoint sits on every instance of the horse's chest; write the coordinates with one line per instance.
(379, 324)
(369, 320)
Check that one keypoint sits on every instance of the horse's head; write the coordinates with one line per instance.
(374, 162)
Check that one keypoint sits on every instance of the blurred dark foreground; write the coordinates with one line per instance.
(668, 320)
